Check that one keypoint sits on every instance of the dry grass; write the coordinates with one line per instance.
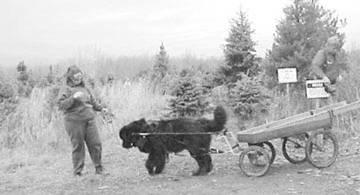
(35, 132)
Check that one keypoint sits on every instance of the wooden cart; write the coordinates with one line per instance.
(309, 131)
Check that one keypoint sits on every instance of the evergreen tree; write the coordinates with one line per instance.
(246, 93)
(8, 99)
(161, 65)
(23, 74)
(50, 77)
(304, 30)
(190, 95)
(239, 50)
(26, 80)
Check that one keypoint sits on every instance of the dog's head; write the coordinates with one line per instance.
(129, 133)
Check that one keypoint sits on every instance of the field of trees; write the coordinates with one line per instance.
(159, 87)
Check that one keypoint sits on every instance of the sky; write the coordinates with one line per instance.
(46, 31)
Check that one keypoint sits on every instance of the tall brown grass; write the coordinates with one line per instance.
(35, 129)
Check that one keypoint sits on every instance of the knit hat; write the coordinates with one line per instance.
(71, 71)
(333, 41)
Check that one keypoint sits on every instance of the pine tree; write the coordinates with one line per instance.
(246, 94)
(239, 50)
(304, 30)
(26, 80)
(50, 77)
(161, 65)
(23, 74)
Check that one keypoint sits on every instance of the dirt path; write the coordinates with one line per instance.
(127, 175)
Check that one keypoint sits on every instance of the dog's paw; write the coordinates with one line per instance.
(151, 172)
(209, 168)
(199, 172)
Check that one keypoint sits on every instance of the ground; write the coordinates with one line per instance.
(126, 174)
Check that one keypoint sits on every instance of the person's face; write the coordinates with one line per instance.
(77, 78)
(333, 48)
(333, 45)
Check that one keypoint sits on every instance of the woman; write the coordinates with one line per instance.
(78, 105)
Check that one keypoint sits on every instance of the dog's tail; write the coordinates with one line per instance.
(219, 121)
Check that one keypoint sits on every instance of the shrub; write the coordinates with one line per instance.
(191, 94)
(8, 99)
(249, 98)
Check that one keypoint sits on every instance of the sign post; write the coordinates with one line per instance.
(315, 89)
(287, 76)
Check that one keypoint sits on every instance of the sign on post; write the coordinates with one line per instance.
(316, 89)
(287, 75)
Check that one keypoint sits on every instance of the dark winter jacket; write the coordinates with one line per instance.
(325, 64)
(77, 109)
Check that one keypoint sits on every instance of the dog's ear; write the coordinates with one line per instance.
(142, 121)
(143, 125)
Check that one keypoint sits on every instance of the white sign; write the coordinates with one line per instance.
(287, 75)
(316, 89)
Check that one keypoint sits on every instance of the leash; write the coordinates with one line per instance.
(182, 133)
(175, 133)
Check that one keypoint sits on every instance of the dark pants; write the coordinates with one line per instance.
(80, 132)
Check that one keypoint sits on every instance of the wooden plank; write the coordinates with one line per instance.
(303, 125)
(349, 107)
(294, 118)
(298, 126)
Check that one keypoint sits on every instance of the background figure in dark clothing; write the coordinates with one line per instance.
(78, 105)
(325, 65)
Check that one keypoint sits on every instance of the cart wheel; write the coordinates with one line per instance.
(272, 150)
(268, 147)
(254, 161)
(322, 149)
(293, 148)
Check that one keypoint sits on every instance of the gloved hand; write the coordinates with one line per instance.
(77, 94)
(104, 110)
(80, 96)
(326, 79)
(330, 88)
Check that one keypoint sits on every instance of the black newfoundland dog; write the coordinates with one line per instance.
(167, 136)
